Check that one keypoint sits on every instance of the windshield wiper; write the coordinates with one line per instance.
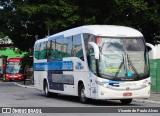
(120, 66)
(132, 66)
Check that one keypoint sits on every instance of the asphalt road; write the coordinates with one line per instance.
(12, 95)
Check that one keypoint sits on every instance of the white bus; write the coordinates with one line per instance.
(93, 62)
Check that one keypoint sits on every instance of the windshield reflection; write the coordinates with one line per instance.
(123, 58)
(13, 68)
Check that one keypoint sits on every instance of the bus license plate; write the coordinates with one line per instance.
(127, 94)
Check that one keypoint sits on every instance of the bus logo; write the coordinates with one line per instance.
(79, 66)
(6, 110)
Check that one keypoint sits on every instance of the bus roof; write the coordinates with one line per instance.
(98, 30)
(14, 59)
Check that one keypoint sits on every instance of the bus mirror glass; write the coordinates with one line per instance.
(91, 51)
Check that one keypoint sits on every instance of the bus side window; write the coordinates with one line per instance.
(88, 38)
(68, 45)
(52, 49)
(77, 47)
(59, 48)
(43, 51)
(48, 49)
(37, 50)
(91, 60)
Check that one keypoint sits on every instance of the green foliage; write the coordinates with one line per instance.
(25, 19)
(2, 35)
(22, 20)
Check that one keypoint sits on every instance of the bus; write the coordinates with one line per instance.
(13, 70)
(102, 62)
(3, 60)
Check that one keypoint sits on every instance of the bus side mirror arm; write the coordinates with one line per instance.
(153, 50)
(96, 49)
(96, 52)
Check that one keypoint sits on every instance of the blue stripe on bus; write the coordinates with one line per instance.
(56, 65)
(56, 37)
(112, 82)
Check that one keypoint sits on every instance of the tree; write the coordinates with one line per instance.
(25, 20)
(143, 15)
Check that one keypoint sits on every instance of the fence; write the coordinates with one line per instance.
(155, 75)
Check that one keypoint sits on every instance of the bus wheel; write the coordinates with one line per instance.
(126, 101)
(46, 91)
(82, 95)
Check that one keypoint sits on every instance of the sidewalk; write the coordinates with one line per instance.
(28, 84)
(154, 98)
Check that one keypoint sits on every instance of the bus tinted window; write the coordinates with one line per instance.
(43, 51)
(68, 45)
(49, 48)
(53, 45)
(88, 38)
(48, 45)
(36, 52)
(59, 44)
(59, 48)
(77, 46)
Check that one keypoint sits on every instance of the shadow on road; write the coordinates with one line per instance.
(75, 99)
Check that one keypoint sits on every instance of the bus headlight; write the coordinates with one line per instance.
(102, 84)
(99, 83)
(146, 83)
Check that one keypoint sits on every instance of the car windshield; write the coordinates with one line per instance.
(123, 58)
(12, 68)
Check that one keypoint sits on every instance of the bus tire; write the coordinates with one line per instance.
(46, 91)
(81, 94)
(126, 101)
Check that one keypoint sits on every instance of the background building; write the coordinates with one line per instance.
(7, 48)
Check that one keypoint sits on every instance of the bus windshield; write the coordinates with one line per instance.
(13, 68)
(123, 58)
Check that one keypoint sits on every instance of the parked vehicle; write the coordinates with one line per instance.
(3, 60)
(13, 69)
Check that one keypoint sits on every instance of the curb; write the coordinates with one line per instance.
(146, 101)
(31, 87)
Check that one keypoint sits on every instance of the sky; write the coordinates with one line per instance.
(1, 7)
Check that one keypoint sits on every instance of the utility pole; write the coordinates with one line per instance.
(48, 32)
